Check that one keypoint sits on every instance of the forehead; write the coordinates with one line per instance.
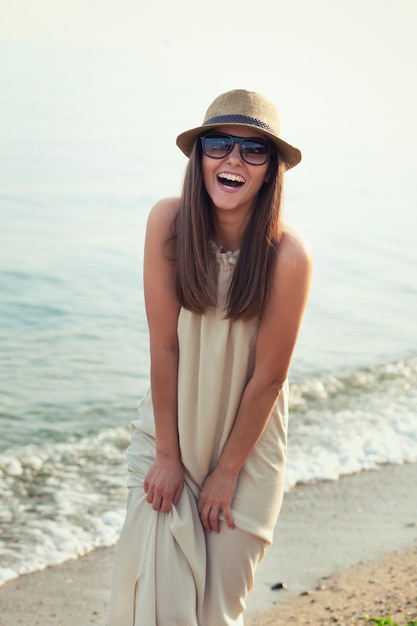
(240, 131)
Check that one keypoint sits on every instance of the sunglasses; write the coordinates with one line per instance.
(252, 151)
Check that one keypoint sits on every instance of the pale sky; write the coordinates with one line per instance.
(348, 66)
(304, 47)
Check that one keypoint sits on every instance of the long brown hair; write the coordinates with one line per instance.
(195, 261)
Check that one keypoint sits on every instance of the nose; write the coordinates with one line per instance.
(234, 154)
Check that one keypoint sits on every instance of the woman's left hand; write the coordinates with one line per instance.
(216, 496)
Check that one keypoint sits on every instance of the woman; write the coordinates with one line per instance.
(226, 285)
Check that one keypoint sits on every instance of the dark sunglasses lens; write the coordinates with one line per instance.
(254, 152)
(216, 146)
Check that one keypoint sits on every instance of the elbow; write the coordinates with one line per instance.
(275, 387)
(269, 388)
(164, 356)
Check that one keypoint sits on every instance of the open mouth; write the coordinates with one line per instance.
(230, 180)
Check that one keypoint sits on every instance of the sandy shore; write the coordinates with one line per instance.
(343, 550)
(383, 588)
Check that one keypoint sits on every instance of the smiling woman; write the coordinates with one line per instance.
(226, 284)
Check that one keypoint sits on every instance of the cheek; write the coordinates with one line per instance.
(264, 177)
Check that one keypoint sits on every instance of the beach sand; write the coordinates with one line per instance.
(342, 550)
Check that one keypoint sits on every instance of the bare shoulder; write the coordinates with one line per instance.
(294, 251)
(291, 281)
(162, 216)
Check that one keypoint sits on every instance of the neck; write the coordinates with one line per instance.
(229, 231)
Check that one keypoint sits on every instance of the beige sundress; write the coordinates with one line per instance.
(215, 363)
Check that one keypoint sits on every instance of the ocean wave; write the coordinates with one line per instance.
(352, 421)
(60, 500)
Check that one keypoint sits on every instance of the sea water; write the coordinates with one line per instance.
(80, 168)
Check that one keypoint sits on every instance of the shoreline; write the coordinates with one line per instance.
(326, 530)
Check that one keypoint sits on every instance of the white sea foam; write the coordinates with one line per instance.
(58, 502)
(355, 423)
(52, 542)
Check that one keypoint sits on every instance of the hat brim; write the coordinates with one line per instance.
(290, 155)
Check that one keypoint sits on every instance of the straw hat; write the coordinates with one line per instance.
(249, 110)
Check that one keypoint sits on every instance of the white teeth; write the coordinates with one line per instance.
(233, 177)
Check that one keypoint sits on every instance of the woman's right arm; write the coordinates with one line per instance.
(165, 479)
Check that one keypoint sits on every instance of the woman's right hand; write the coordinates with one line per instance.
(164, 483)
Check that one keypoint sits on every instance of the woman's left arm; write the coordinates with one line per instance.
(277, 335)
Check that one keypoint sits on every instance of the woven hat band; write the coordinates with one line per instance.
(239, 119)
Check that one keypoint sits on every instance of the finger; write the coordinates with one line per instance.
(203, 503)
(156, 503)
(177, 494)
(166, 505)
(204, 517)
(214, 519)
(227, 513)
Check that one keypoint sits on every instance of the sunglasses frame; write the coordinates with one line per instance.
(240, 141)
